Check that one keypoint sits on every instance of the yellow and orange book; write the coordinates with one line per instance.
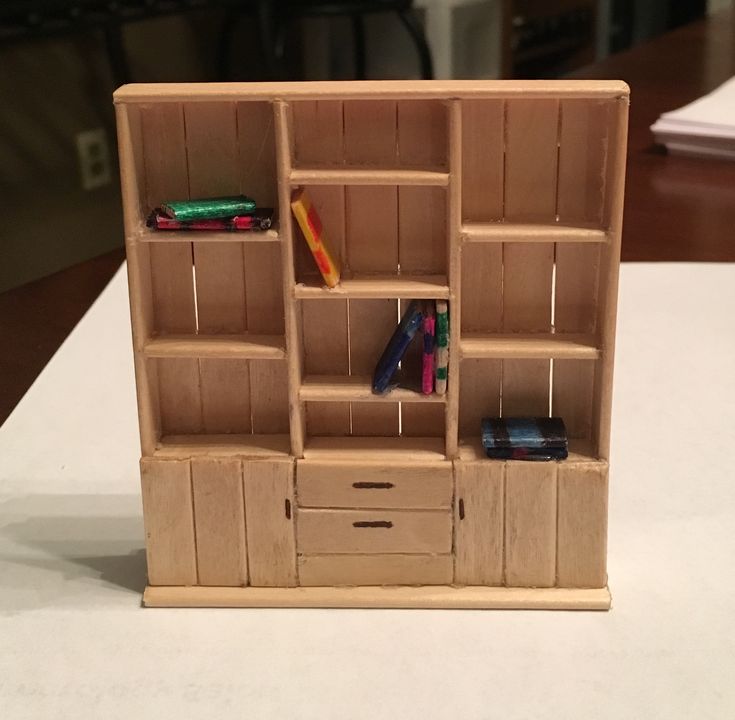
(311, 225)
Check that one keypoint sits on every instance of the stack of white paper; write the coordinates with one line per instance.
(705, 127)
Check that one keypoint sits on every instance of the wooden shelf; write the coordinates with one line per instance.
(471, 450)
(250, 446)
(367, 176)
(530, 346)
(551, 233)
(387, 449)
(148, 235)
(328, 388)
(378, 286)
(226, 347)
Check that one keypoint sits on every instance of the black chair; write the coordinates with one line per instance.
(276, 17)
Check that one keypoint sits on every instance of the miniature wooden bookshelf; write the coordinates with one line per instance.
(271, 475)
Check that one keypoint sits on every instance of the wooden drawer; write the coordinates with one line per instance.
(319, 570)
(373, 485)
(373, 531)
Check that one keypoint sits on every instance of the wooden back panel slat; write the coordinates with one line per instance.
(326, 352)
(371, 324)
(422, 133)
(483, 147)
(531, 135)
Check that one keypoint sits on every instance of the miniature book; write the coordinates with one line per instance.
(208, 208)
(427, 366)
(540, 438)
(442, 346)
(396, 348)
(311, 225)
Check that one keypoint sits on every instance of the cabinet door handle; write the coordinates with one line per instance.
(461, 509)
(373, 524)
(372, 485)
(287, 506)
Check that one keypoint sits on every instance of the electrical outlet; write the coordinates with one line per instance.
(94, 158)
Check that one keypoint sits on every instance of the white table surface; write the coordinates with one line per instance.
(75, 642)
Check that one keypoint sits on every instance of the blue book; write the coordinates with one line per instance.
(525, 438)
(396, 348)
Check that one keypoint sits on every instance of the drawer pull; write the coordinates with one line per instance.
(372, 485)
(288, 509)
(461, 509)
(373, 524)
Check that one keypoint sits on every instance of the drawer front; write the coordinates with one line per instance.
(373, 531)
(341, 485)
(350, 570)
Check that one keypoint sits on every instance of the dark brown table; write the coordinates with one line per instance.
(676, 208)
(680, 209)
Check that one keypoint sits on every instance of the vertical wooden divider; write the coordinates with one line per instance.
(294, 347)
(454, 264)
(139, 270)
(609, 274)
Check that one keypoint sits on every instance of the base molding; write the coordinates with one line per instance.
(436, 596)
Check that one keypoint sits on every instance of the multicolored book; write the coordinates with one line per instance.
(311, 226)
(427, 367)
(396, 348)
(525, 438)
(442, 346)
(261, 219)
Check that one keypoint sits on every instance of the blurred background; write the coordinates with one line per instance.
(60, 61)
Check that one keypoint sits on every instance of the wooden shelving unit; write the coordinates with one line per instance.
(254, 379)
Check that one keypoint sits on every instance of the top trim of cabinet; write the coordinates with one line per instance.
(374, 89)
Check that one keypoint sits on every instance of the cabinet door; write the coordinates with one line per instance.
(269, 513)
(478, 523)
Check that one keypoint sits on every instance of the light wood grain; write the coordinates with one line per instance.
(422, 133)
(526, 388)
(387, 449)
(497, 232)
(530, 346)
(172, 288)
(531, 133)
(371, 177)
(575, 297)
(241, 346)
(284, 154)
(270, 533)
(326, 352)
(527, 280)
(220, 287)
(372, 322)
(256, 153)
(263, 288)
(479, 523)
(582, 153)
(582, 529)
(422, 230)
(317, 132)
(357, 388)
(442, 596)
(355, 570)
(385, 89)
(355, 531)
(370, 132)
(225, 396)
(482, 288)
(530, 524)
(169, 522)
(482, 159)
(179, 396)
(219, 520)
(246, 446)
(269, 396)
(479, 393)
(573, 395)
(373, 484)
(376, 286)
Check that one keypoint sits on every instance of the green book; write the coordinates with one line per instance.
(442, 346)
